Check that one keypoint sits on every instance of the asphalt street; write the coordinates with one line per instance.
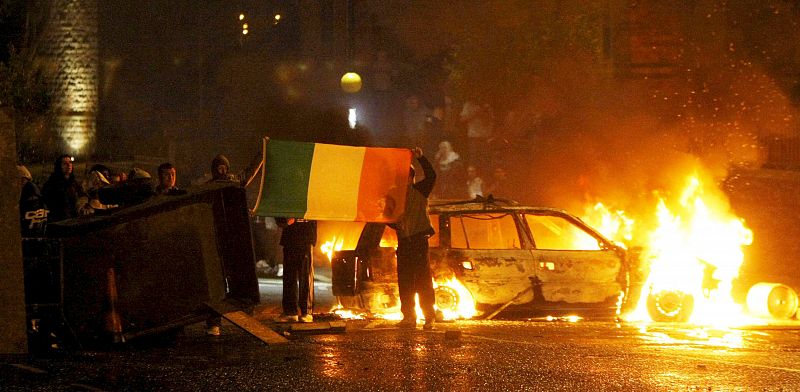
(533, 355)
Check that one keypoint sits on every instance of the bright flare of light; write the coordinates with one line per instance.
(352, 117)
(346, 313)
(241, 16)
(613, 224)
(277, 17)
(772, 300)
(697, 249)
(331, 246)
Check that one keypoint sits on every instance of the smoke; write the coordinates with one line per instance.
(627, 143)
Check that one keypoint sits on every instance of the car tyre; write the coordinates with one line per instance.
(670, 306)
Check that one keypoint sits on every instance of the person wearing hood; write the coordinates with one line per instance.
(449, 167)
(61, 191)
(220, 170)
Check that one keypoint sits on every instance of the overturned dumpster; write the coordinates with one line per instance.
(143, 270)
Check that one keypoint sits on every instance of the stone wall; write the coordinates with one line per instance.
(13, 338)
(70, 49)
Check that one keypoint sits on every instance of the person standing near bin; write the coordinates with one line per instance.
(298, 239)
(413, 229)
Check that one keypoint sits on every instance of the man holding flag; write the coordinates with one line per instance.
(413, 229)
(315, 181)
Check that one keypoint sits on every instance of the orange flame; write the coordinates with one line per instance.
(331, 246)
(696, 248)
(464, 306)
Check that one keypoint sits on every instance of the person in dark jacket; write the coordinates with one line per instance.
(220, 170)
(31, 214)
(167, 175)
(413, 229)
(298, 239)
(62, 191)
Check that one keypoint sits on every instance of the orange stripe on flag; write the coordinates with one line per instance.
(382, 189)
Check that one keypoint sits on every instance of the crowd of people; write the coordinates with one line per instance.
(102, 191)
(464, 142)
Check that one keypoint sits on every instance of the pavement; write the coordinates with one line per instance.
(374, 355)
(464, 355)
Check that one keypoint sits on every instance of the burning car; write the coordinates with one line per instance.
(490, 256)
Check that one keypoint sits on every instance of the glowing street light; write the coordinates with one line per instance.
(351, 82)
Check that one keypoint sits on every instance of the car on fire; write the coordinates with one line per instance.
(497, 256)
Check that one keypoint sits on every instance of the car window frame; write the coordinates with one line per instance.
(603, 243)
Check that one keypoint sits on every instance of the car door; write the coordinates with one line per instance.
(495, 259)
(574, 265)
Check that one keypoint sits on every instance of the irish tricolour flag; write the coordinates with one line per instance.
(331, 182)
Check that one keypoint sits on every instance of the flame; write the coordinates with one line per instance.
(347, 313)
(332, 245)
(695, 247)
(465, 306)
(341, 236)
(614, 224)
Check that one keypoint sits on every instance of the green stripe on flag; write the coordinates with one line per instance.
(287, 168)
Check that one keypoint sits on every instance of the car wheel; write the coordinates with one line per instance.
(446, 298)
(670, 306)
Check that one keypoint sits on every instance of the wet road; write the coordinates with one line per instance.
(465, 355)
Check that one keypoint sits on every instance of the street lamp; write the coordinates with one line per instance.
(351, 82)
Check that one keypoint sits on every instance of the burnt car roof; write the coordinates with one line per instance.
(490, 204)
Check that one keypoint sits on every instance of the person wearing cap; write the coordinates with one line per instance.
(31, 214)
(135, 190)
(61, 191)
(413, 229)
(91, 203)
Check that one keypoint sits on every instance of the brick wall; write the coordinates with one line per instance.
(70, 49)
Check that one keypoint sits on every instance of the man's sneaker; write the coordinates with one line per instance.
(280, 271)
(405, 323)
(428, 325)
(287, 318)
(213, 330)
(307, 318)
